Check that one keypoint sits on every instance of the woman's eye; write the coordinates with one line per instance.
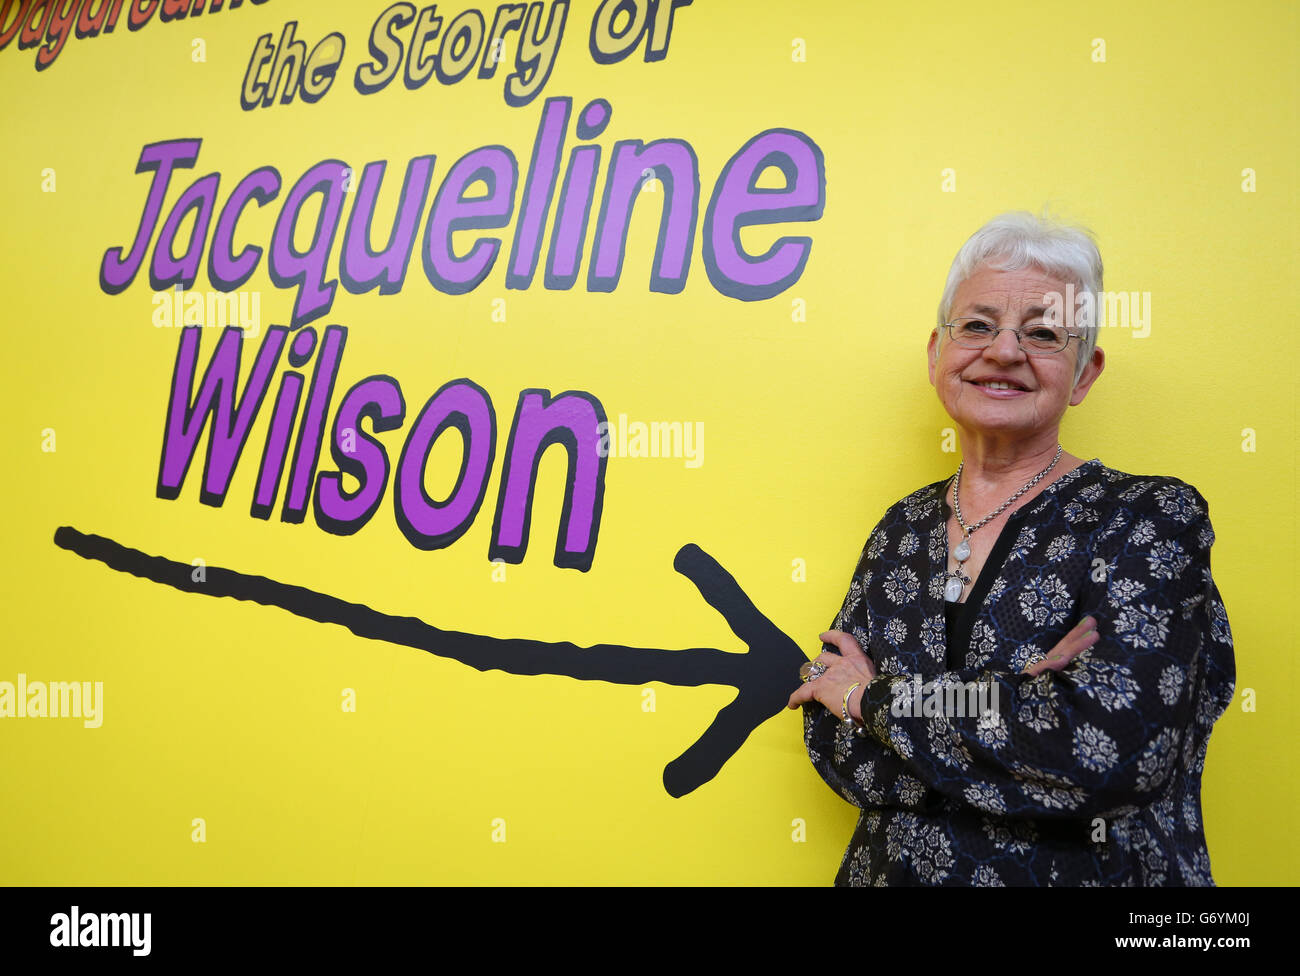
(977, 328)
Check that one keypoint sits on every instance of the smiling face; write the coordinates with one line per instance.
(1001, 392)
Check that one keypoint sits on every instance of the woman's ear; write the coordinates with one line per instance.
(932, 351)
(1096, 363)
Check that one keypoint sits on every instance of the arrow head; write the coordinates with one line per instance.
(766, 674)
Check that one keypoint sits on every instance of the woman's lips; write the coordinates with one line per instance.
(998, 394)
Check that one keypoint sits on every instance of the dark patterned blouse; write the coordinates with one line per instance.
(971, 773)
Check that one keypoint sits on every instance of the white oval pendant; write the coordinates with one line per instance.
(952, 591)
(962, 552)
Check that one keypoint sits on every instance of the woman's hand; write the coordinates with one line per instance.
(842, 670)
(1078, 640)
(852, 664)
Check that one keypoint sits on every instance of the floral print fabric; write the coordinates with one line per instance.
(1086, 776)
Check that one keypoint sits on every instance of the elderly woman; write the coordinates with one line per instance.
(1075, 599)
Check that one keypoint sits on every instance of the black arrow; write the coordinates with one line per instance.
(764, 677)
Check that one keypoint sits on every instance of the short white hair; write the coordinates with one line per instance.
(1016, 240)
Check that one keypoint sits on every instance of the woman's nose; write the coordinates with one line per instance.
(1005, 347)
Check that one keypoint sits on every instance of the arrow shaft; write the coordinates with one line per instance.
(616, 663)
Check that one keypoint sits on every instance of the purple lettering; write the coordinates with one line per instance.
(673, 162)
(167, 269)
(452, 211)
(306, 269)
(739, 202)
(430, 524)
(307, 451)
(360, 268)
(573, 419)
(227, 270)
(357, 453)
(115, 274)
(543, 171)
(186, 416)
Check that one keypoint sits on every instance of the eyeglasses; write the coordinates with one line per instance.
(1039, 339)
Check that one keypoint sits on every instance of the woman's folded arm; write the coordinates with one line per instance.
(865, 772)
(1106, 732)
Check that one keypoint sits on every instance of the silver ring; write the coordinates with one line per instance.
(811, 670)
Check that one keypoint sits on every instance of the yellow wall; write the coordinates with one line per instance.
(814, 423)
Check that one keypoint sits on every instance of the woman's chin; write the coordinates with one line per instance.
(996, 421)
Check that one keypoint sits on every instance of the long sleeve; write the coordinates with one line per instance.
(862, 770)
(1104, 736)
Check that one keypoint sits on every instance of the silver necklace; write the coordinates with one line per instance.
(958, 580)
